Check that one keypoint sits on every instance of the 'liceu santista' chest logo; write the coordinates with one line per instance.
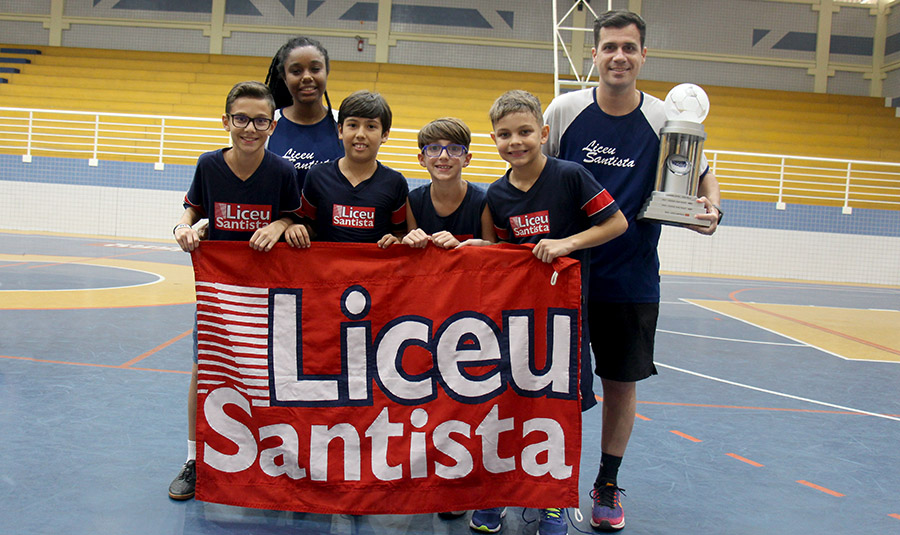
(234, 216)
(530, 224)
(603, 155)
(353, 216)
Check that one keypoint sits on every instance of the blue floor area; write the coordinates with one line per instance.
(92, 449)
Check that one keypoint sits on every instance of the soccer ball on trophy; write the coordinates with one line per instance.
(687, 102)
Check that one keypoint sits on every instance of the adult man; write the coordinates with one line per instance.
(613, 130)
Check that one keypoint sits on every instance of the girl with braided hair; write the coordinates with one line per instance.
(306, 133)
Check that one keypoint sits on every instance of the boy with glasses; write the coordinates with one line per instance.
(449, 210)
(248, 194)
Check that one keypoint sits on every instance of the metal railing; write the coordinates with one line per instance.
(161, 140)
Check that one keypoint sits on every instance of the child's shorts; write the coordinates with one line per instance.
(622, 337)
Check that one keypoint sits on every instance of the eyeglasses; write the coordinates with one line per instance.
(453, 150)
(241, 121)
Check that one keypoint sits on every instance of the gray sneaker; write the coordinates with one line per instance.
(182, 487)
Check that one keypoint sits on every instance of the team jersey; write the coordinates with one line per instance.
(464, 223)
(621, 152)
(237, 208)
(564, 200)
(305, 145)
(341, 212)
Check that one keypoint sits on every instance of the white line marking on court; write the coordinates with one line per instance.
(158, 278)
(771, 331)
(732, 339)
(801, 342)
(781, 394)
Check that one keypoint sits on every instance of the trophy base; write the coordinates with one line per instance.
(673, 209)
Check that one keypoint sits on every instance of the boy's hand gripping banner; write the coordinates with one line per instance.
(345, 378)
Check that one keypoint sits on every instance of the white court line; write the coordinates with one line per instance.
(159, 278)
(781, 394)
(801, 342)
(732, 339)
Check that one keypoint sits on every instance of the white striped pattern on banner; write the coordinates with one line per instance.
(233, 332)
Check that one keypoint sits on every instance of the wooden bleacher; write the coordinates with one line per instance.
(158, 83)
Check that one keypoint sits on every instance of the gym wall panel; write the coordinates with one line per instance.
(852, 36)
(848, 83)
(151, 39)
(726, 74)
(23, 33)
(739, 27)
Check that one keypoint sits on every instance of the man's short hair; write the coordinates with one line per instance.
(619, 19)
(368, 105)
(449, 128)
(516, 101)
(250, 90)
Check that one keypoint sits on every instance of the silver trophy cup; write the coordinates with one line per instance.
(674, 199)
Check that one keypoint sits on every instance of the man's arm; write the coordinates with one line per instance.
(710, 197)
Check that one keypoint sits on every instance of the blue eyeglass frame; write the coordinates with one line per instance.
(445, 148)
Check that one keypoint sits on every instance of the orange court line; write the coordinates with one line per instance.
(14, 264)
(810, 325)
(89, 365)
(745, 460)
(895, 515)
(642, 417)
(160, 347)
(823, 489)
(683, 435)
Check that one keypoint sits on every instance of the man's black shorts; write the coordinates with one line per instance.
(622, 339)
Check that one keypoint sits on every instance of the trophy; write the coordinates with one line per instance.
(674, 199)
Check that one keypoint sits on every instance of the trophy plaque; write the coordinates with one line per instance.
(674, 199)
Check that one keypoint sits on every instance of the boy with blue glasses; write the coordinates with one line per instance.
(448, 210)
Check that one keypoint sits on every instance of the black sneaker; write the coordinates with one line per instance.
(182, 487)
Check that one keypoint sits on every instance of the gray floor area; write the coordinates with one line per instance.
(90, 447)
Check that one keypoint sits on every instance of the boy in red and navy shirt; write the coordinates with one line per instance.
(559, 207)
(356, 198)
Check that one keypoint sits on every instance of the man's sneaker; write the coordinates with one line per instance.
(450, 515)
(607, 513)
(182, 487)
(488, 520)
(552, 522)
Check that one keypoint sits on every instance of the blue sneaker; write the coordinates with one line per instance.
(488, 520)
(552, 522)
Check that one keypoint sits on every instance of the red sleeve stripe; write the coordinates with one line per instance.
(195, 206)
(501, 233)
(398, 216)
(296, 211)
(597, 203)
(307, 209)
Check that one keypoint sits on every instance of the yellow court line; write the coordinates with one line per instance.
(848, 333)
(176, 286)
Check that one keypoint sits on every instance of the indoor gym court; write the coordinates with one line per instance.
(776, 409)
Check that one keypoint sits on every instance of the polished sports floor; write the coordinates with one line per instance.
(776, 409)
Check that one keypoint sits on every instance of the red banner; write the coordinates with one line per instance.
(345, 378)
